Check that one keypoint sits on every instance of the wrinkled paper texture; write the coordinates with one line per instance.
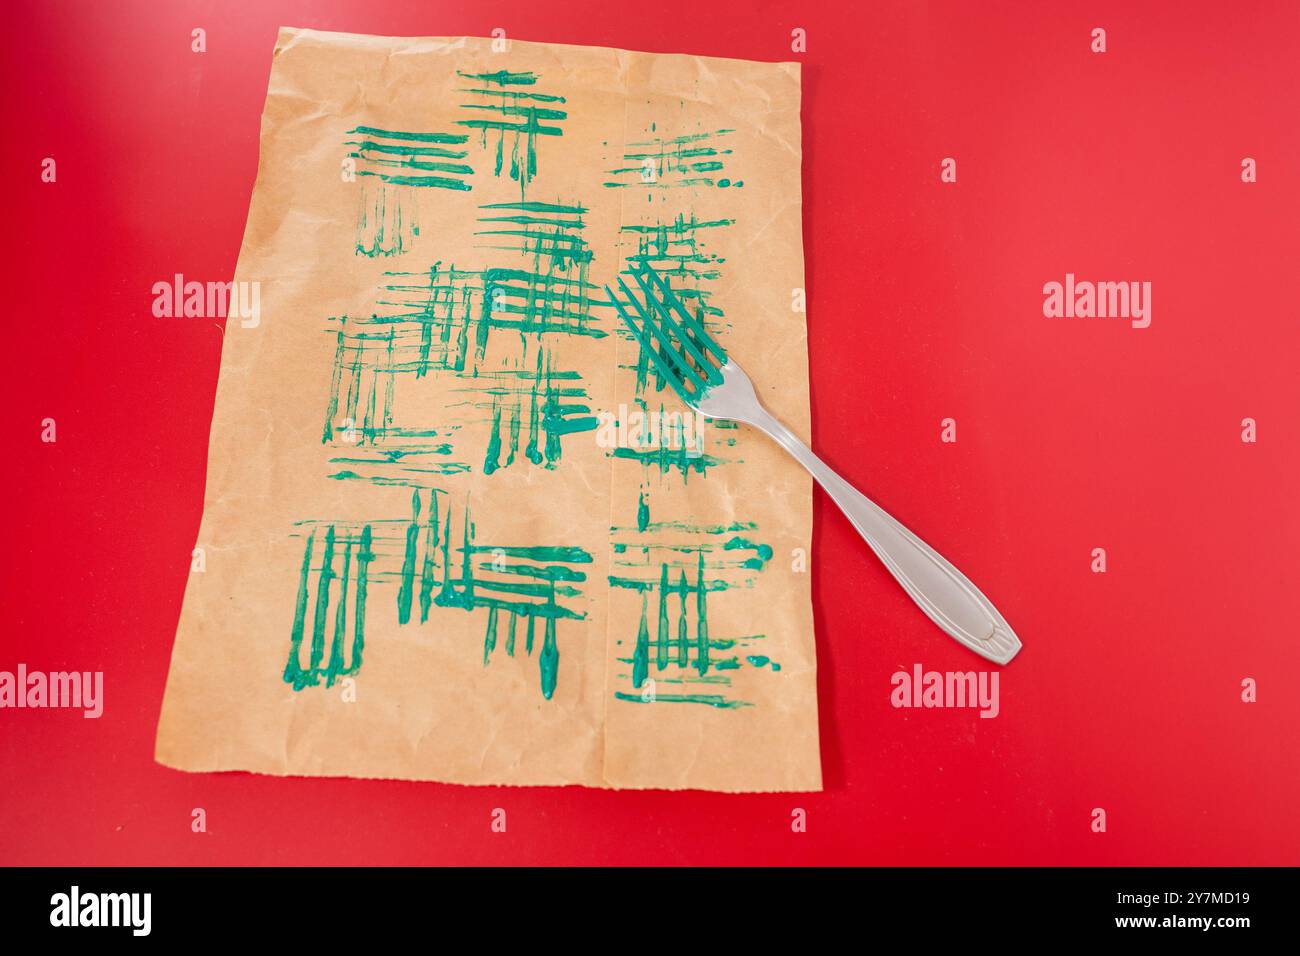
(447, 533)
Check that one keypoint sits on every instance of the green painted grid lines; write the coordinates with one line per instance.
(663, 444)
(549, 232)
(420, 160)
(346, 632)
(516, 585)
(456, 312)
(675, 567)
(678, 252)
(361, 383)
(508, 105)
(391, 164)
(387, 222)
(674, 162)
(443, 318)
(426, 562)
(532, 409)
(678, 648)
(537, 303)
(554, 293)
(442, 321)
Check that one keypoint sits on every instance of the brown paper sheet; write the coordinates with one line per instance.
(439, 541)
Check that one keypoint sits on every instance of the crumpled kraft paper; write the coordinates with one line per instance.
(455, 527)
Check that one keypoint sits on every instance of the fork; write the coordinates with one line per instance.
(690, 359)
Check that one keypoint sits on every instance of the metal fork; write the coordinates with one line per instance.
(691, 360)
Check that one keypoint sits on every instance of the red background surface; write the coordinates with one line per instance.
(925, 303)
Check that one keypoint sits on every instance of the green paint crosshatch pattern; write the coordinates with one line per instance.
(506, 547)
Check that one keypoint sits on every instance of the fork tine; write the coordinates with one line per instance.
(706, 367)
(668, 373)
(667, 350)
(694, 324)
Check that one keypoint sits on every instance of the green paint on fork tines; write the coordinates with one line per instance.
(675, 340)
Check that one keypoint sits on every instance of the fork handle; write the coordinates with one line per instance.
(945, 594)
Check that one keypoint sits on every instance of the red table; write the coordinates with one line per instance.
(925, 303)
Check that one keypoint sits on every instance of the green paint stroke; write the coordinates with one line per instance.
(549, 232)
(642, 510)
(396, 162)
(661, 643)
(503, 78)
(536, 302)
(702, 616)
(641, 655)
(681, 652)
(665, 459)
(407, 586)
(762, 552)
(346, 650)
(674, 162)
(552, 402)
(387, 221)
(681, 573)
(421, 160)
(510, 581)
(441, 320)
(710, 700)
(513, 113)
